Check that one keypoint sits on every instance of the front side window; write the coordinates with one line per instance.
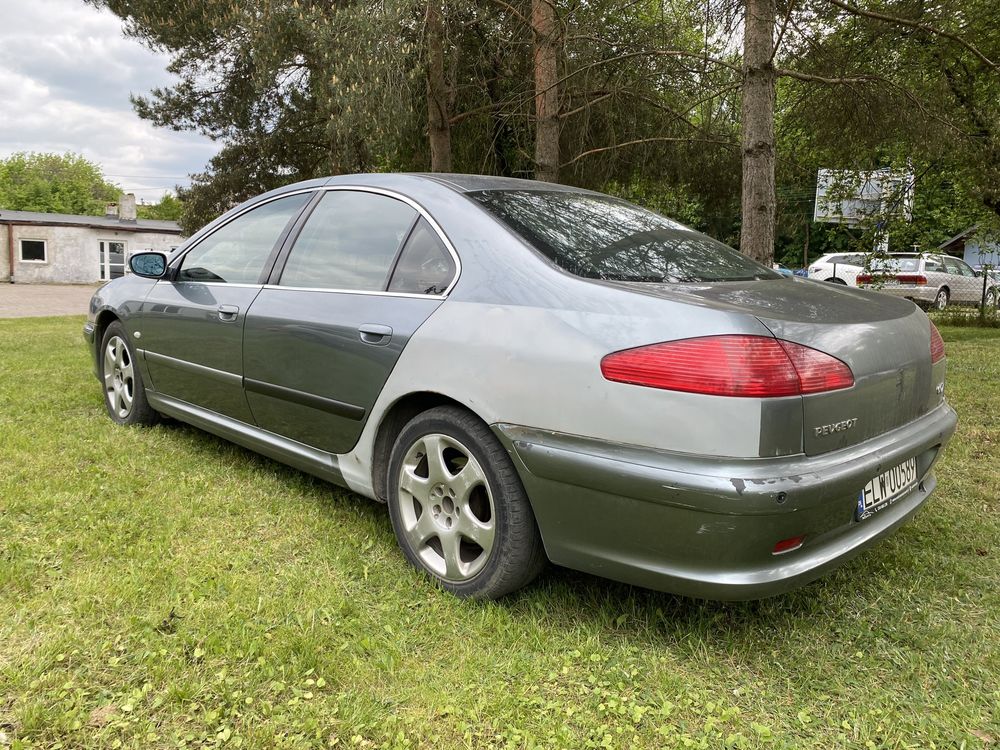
(236, 253)
(349, 242)
(599, 237)
(425, 266)
(33, 251)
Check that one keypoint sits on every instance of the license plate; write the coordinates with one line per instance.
(885, 489)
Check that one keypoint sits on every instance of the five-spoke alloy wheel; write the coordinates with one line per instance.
(458, 507)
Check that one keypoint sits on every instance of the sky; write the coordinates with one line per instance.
(66, 72)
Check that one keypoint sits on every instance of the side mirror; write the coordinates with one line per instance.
(148, 265)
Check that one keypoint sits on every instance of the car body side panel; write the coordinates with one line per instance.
(541, 367)
(309, 344)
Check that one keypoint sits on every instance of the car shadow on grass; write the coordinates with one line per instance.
(561, 597)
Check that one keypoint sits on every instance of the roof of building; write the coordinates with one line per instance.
(94, 222)
(961, 235)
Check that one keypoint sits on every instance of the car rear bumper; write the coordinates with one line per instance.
(706, 527)
(922, 294)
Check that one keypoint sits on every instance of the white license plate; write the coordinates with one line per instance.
(885, 489)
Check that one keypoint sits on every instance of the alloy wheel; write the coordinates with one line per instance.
(446, 507)
(119, 377)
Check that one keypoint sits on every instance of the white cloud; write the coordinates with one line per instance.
(66, 73)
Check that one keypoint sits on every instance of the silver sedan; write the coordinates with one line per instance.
(528, 372)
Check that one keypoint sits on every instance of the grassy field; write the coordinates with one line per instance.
(162, 588)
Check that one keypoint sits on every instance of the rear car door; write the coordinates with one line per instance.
(191, 324)
(963, 281)
(365, 271)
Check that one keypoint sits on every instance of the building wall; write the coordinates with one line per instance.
(73, 253)
(990, 254)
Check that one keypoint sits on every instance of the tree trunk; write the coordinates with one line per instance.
(438, 95)
(757, 233)
(546, 48)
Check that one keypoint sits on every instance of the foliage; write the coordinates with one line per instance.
(163, 588)
(54, 183)
(168, 208)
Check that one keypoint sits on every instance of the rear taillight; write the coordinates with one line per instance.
(911, 278)
(742, 366)
(863, 278)
(937, 345)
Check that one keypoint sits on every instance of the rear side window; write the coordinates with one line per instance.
(349, 242)
(236, 253)
(600, 237)
(933, 264)
(425, 266)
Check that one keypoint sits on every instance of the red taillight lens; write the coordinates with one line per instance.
(937, 345)
(911, 278)
(863, 278)
(743, 366)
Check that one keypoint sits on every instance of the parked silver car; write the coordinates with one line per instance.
(930, 279)
(526, 371)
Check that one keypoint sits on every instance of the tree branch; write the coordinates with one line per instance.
(910, 23)
(593, 151)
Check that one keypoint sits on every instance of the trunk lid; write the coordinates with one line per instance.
(884, 340)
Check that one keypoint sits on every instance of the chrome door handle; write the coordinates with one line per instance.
(375, 335)
(228, 313)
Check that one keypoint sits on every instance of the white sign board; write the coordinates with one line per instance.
(850, 197)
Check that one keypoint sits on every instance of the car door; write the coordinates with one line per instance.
(963, 282)
(191, 324)
(365, 271)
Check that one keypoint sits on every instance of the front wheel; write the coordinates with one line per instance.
(124, 393)
(458, 508)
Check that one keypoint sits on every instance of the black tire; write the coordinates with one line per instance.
(124, 381)
(942, 298)
(516, 555)
(992, 297)
(835, 280)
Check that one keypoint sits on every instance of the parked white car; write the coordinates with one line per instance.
(930, 280)
(839, 268)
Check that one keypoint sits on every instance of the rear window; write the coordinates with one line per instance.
(897, 264)
(599, 237)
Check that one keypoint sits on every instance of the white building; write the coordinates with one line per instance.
(66, 249)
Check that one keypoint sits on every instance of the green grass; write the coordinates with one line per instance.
(162, 588)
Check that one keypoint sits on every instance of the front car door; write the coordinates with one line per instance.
(191, 324)
(366, 270)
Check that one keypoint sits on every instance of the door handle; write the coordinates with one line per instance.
(375, 335)
(228, 313)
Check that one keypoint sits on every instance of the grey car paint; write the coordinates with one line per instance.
(522, 341)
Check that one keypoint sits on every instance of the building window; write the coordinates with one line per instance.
(33, 251)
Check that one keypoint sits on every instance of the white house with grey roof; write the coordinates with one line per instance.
(42, 248)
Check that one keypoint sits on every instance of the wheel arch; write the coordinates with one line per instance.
(392, 421)
(104, 318)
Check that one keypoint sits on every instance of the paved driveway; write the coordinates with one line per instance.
(35, 300)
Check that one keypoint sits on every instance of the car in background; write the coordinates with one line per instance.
(838, 268)
(930, 280)
(783, 270)
(525, 371)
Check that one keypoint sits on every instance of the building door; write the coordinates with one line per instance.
(113, 255)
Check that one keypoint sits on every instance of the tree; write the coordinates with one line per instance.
(546, 68)
(757, 233)
(169, 208)
(54, 183)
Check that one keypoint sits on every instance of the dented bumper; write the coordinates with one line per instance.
(707, 526)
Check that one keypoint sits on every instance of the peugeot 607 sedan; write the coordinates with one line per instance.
(527, 372)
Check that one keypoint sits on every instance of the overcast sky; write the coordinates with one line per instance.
(66, 72)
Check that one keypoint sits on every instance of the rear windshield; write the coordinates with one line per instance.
(896, 264)
(599, 237)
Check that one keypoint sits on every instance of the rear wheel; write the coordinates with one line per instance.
(458, 507)
(941, 300)
(992, 297)
(124, 393)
